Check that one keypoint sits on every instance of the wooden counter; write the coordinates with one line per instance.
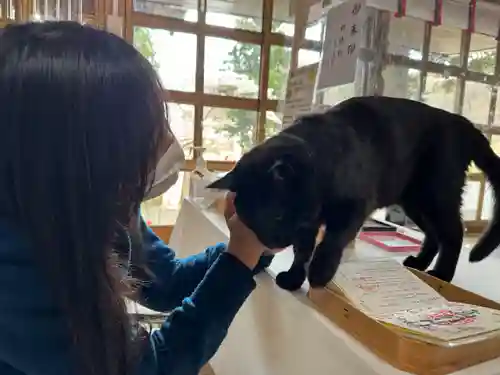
(280, 333)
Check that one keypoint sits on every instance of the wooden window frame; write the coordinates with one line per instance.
(265, 39)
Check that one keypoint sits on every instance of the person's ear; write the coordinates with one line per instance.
(224, 183)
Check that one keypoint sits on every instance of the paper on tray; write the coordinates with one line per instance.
(448, 322)
(390, 293)
(383, 286)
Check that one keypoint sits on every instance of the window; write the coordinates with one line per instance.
(445, 45)
(477, 102)
(279, 66)
(406, 37)
(470, 199)
(170, 8)
(496, 119)
(440, 91)
(307, 57)
(273, 123)
(482, 54)
(337, 94)
(315, 31)
(495, 143)
(488, 202)
(489, 198)
(160, 48)
(181, 118)
(52, 9)
(401, 82)
(235, 14)
(164, 209)
(231, 68)
(227, 133)
(283, 19)
(284, 28)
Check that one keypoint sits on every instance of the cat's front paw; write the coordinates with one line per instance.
(291, 280)
(441, 275)
(413, 262)
(319, 279)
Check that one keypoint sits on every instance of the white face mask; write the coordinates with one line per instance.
(167, 170)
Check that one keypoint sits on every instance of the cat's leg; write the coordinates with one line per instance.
(340, 231)
(430, 246)
(449, 231)
(303, 248)
(442, 190)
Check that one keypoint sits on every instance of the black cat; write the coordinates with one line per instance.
(337, 167)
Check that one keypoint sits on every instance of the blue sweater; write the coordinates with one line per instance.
(204, 291)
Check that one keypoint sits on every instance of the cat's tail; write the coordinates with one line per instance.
(486, 160)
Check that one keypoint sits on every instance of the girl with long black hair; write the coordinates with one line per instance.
(83, 124)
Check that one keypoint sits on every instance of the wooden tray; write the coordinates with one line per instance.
(400, 351)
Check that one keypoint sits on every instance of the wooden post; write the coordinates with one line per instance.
(301, 16)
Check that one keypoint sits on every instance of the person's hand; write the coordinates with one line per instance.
(243, 243)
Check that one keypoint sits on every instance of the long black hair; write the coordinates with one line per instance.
(82, 118)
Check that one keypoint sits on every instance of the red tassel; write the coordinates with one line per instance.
(472, 16)
(401, 12)
(438, 12)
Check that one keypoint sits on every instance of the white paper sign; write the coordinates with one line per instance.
(299, 93)
(344, 24)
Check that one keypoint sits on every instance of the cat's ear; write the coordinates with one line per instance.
(281, 171)
(223, 183)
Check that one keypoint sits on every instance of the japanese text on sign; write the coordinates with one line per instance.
(341, 46)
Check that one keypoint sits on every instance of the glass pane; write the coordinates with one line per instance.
(406, 37)
(231, 68)
(495, 143)
(235, 14)
(184, 10)
(227, 133)
(307, 57)
(489, 198)
(470, 199)
(496, 119)
(482, 55)
(160, 46)
(477, 102)
(7, 9)
(51, 10)
(285, 28)
(164, 209)
(445, 45)
(337, 94)
(488, 202)
(273, 123)
(181, 118)
(401, 82)
(440, 91)
(279, 65)
(315, 31)
(283, 13)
